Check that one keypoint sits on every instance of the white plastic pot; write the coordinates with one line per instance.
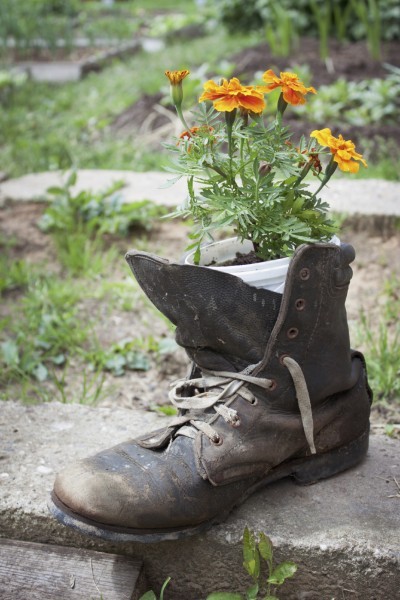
(269, 275)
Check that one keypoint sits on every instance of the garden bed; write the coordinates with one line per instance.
(150, 117)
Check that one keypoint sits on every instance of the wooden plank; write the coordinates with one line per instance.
(31, 571)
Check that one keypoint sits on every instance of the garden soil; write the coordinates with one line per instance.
(378, 260)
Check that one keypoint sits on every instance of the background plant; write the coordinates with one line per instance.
(36, 24)
(356, 102)
(380, 340)
(78, 222)
(49, 328)
(360, 19)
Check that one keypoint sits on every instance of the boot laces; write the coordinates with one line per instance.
(217, 388)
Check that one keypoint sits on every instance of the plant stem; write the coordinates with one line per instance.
(182, 118)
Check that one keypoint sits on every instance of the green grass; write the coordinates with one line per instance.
(381, 342)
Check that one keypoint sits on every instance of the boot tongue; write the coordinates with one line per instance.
(222, 322)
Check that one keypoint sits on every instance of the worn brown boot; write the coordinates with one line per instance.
(275, 391)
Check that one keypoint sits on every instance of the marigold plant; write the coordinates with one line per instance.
(243, 171)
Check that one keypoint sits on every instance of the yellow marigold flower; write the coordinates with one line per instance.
(232, 94)
(344, 152)
(293, 90)
(176, 77)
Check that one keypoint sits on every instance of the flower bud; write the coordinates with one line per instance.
(264, 168)
(175, 79)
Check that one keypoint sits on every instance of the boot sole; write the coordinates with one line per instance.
(303, 471)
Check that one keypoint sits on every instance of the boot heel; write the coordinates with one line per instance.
(321, 466)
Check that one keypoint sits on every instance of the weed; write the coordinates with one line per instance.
(14, 274)
(78, 223)
(381, 342)
(151, 595)
(254, 551)
(165, 409)
(90, 391)
(48, 328)
(125, 355)
(130, 354)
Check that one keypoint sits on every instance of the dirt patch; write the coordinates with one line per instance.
(377, 260)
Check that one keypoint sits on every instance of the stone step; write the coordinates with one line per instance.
(344, 195)
(343, 533)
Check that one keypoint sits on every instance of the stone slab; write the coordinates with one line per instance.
(138, 186)
(344, 533)
(350, 196)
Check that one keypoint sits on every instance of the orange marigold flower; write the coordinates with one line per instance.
(311, 158)
(232, 94)
(176, 77)
(344, 152)
(186, 135)
(293, 90)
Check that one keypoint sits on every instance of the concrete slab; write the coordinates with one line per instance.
(351, 196)
(138, 186)
(343, 532)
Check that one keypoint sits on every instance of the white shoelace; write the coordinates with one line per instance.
(217, 387)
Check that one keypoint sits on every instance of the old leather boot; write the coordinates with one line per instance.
(274, 391)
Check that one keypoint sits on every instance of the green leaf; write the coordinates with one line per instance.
(265, 547)
(54, 190)
(250, 554)
(40, 372)
(167, 346)
(170, 182)
(252, 592)
(282, 572)
(9, 350)
(168, 411)
(148, 596)
(71, 179)
(59, 359)
(224, 596)
(137, 361)
(270, 598)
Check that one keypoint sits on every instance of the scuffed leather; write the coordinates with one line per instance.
(222, 322)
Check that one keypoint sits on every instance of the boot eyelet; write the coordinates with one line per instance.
(292, 333)
(236, 423)
(282, 358)
(300, 304)
(254, 401)
(217, 441)
(305, 274)
(272, 385)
